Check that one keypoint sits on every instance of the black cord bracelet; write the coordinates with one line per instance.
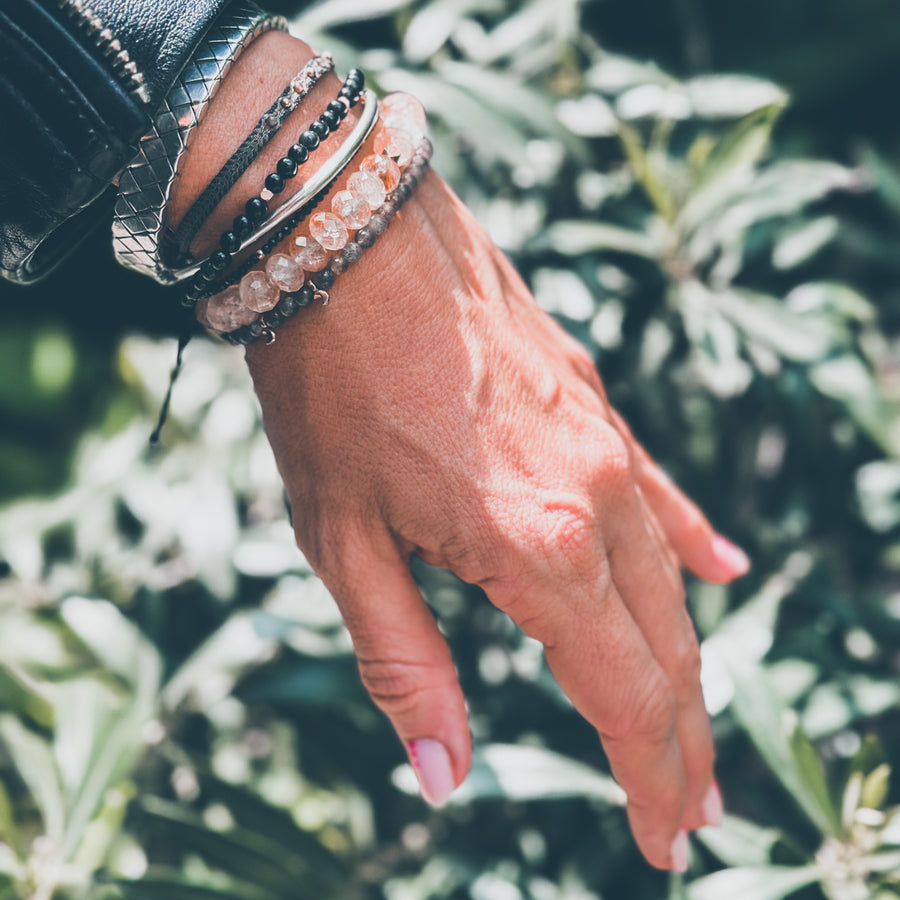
(266, 128)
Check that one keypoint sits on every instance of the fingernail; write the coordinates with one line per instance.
(431, 763)
(679, 852)
(730, 557)
(712, 806)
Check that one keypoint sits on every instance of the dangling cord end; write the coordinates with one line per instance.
(183, 341)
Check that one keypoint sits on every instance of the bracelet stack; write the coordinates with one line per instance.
(265, 298)
(300, 248)
(256, 299)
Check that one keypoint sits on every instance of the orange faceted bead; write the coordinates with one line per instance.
(310, 255)
(353, 209)
(329, 230)
(369, 186)
(395, 143)
(258, 291)
(225, 311)
(384, 167)
(403, 111)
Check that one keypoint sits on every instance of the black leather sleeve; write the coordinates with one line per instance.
(75, 97)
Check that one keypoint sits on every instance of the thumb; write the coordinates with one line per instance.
(405, 665)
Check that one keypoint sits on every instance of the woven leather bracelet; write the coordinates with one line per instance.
(267, 127)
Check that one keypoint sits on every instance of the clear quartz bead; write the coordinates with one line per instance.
(225, 311)
(384, 167)
(368, 186)
(310, 255)
(284, 272)
(395, 143)
(328, 230)
(258, 291)
(352, 208)
(403, 111)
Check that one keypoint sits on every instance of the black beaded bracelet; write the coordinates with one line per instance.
(269, 124)
(318, 285)
(256, 209)
(211, 288)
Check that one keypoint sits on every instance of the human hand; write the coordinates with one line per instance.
(433, 408)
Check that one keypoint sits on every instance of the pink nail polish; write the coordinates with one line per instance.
(679, 852)
(730, 557)
(712, 806)
(431, 763)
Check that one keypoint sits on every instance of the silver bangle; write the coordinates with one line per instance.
(336, 164)
(145, 185)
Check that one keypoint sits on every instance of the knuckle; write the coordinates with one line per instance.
(617, 464)
(685, 675)
(332, 546)
(569, 533)
(668, 800)
(651, 714)
(611, 466)
(397, 686)
(554, 536)
(538, 619)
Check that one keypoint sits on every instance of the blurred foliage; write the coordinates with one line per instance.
(181, 715)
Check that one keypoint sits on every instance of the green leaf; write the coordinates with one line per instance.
(764, 318)
(729, 96)
(23, 695)
(507, 96)
(572, 237)
(33, 760)
(780, 740)
(252, 813)
(831, 707)
(330, 13)
(875, 787)
(849, 380)
(738, 842)
(800, 243)
(830, 297)
(243, 853)
(233, 647)
(647, 170)
(162, 884)
(517, 772)
(885, 175)
(99, 736)
(729, 164)
(883, 862)
(763, 883)
(8, 831)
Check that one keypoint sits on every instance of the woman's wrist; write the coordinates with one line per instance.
(256, 79)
